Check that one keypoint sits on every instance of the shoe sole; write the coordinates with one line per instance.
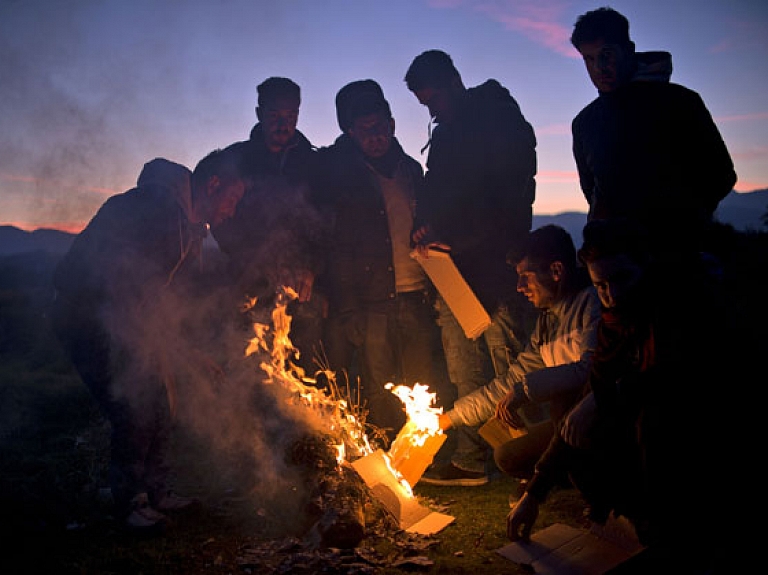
(467, 482)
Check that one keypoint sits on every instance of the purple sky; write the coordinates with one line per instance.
(91, 90)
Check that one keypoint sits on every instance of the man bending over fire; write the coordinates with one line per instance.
(141, 248)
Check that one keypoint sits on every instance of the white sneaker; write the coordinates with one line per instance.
(142, 516)
(173, 502)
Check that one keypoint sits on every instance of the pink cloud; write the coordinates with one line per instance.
(539, 23)
(554, 130)
(743, 117)
(48, 181)
(557, 176)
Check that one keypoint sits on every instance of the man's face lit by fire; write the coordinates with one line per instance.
(278, 121)
(222, 199)
(373, 133)
(615, 278)
(540, 287)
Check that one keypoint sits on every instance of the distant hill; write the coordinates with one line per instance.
(743, 211)
(16, 241)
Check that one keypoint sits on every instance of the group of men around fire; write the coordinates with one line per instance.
(600, 345)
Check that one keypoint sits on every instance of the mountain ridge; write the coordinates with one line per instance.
(742, 210)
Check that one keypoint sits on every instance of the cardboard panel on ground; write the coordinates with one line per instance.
(410, 514)
(564, 550)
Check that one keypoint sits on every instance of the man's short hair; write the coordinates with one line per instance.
(603, 23)
(274, 88)
(545, 245)
(360, 98)
(222, 163)
(431, 69)
(614, 236)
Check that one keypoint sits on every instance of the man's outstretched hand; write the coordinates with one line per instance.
(521, 518)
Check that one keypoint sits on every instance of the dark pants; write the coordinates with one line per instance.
(132, 397)
(392, 342)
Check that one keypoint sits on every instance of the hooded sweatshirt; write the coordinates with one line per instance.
(480, 188)
(133, 244)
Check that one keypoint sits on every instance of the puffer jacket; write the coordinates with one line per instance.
(555, 364)
(480, 188)
(651, 151)
(360, 269)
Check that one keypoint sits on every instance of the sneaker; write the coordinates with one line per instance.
(143, 517)
(173, 502)
(449, 474)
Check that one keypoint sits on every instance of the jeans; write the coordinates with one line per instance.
(473, 363)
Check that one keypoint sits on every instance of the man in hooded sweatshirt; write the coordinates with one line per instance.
(478, 203)
(142, 247)
(380, 305)
(645, 148)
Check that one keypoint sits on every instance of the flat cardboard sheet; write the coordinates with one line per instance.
(469, 312)
(563, 550)
(410, 514)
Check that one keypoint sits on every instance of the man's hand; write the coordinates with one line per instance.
(419, 239)
(506, 409)
(444, 421)
(578, 422)
(521, 518)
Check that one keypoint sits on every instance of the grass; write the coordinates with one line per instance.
(56, 517)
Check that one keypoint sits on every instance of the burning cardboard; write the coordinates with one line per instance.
(396, 498)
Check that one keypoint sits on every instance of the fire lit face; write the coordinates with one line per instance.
(539, 287)
(373, 133)
(223, 201)
(278, 120)
(615, 278)
(608, 65)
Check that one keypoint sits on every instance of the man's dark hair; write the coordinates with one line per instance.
(603, 23)
(611, 237)
(431, 69)
(222, 163)
(544, 245)
(274, 88)
(360, 98)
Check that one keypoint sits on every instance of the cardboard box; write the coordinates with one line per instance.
(563, 550)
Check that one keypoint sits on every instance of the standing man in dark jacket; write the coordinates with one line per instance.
(276, 235)
(380, 306)
(116, 290)
(645, 148)
(480, 189)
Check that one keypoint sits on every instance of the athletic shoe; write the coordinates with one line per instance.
(449, 474)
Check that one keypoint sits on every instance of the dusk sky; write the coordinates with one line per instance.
(91, 90)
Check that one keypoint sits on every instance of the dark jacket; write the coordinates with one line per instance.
(650, 456)
(480, 188)
(360, 269)
(136, 243)
(277, 224)
(651, 151)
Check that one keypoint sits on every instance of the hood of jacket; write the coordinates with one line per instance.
(653, 67)
(490, 95)
(172, 177)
